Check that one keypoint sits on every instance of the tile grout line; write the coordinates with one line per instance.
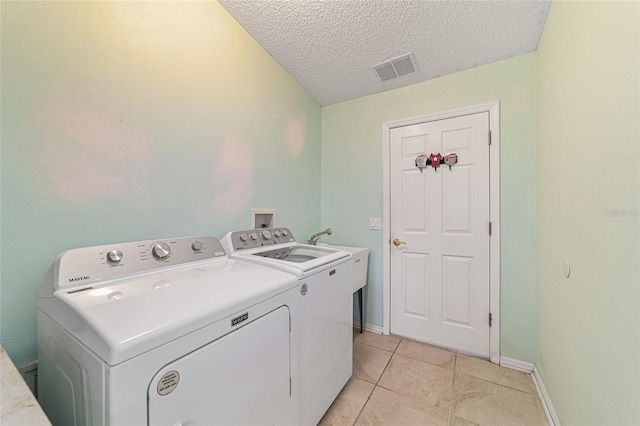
(453, 380)
(452, 388)
(487, 381)
(455, 366)
(497, 384)
(387, 365)
(375, 385)
(363, 406)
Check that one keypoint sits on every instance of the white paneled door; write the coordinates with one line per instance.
(440, 234)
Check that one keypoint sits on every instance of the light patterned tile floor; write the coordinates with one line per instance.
(398, 381)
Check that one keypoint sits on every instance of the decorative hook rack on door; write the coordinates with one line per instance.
(434, 160)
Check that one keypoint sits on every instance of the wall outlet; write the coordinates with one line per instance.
(375, 223)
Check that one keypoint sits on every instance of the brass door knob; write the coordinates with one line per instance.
(397, 242)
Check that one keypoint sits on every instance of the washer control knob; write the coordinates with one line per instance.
(114, 256)
(161, 250)
(277, 234)
(285, 233)
(254, 236)
(196, 245)
(266, 235)
(242, 237)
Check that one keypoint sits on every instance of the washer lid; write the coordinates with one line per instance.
(120, 319)
(295, 254)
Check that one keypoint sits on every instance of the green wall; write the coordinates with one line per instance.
(124, 121)
(352, 178)
(588, 212)
(137, 120)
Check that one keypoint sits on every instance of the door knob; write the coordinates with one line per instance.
(397, 242)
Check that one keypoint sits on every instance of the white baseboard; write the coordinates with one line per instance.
(368, 327)
(552, 416)
(514, 364)
(530, 368)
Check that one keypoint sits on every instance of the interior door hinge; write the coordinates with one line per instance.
(490, 228)
(489, 137)
(490, 319)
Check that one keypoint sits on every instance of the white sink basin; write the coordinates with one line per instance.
(360, 264)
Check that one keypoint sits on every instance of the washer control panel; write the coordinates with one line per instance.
(254, 238)
(80, 267)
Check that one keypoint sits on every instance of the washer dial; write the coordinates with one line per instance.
(196, 245)
(161, 250)
(114, 256)
(266, 235)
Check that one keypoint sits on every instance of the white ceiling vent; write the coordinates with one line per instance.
(396, 67)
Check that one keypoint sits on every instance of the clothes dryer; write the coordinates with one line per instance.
(168, 332)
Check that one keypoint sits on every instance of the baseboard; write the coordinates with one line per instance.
(552, 416)
(530, 368)
(368, 327)
(514, 364)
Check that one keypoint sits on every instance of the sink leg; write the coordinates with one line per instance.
(360, 305)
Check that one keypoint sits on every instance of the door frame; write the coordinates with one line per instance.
(493, 108)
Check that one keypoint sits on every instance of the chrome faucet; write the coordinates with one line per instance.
(315, 237)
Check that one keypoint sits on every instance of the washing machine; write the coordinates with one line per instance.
(169, 332)
(326, 319)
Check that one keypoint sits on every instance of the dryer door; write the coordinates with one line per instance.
(242, 378)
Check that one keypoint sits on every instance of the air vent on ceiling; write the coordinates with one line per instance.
(396, 67)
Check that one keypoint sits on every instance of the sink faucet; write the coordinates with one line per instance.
(315, 237)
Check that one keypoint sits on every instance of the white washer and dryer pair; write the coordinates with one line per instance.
(325, 276)
(170, 333)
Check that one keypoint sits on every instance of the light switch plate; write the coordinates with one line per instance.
(375, 223)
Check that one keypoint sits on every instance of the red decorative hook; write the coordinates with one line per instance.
(435, 160)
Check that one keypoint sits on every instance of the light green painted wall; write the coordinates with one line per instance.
(352, 178)
(588, 212)
(124, 121)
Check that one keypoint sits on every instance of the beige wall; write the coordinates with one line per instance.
(587, 212)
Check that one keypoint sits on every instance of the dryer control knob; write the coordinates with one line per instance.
(196, 245)
(161, 250)
(114, 256)
(266, 235)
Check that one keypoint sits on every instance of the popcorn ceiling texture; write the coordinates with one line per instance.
(329, 46)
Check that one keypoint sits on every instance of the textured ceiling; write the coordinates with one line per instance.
(329, 46)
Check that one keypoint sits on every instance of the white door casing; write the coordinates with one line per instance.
(446, 275)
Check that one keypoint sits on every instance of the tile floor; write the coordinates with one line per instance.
(398, 381)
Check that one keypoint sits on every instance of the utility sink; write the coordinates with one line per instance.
(360, 265)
